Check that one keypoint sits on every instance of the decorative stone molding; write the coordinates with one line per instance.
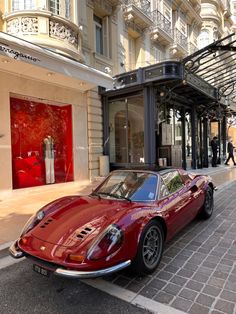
(26, 25)
(62, 32)
(29, 24)
(13, 26)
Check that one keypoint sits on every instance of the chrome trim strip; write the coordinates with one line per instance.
(91, 274)
(15, 251)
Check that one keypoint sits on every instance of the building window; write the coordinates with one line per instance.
(101, 29)
(23, 5)
(61, 7)
(167, 11)
(98, 34)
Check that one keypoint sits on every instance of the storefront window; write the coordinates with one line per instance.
(126, 130)
(41, 136)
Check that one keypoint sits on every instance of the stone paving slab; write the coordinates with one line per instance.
(197, 274)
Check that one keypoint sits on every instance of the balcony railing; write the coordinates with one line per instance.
(142, 5)
(159, 20)
(180, 39)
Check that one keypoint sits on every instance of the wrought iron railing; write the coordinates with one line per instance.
(142, 5)
(180, 39)
(159, 20)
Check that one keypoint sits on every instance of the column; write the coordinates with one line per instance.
(224, 136)
(149, 126)
(194, 134)
(205, 142)
(183, 138)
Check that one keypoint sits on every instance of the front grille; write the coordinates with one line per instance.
(49, 265)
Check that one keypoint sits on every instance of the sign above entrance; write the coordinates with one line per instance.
(17, 55)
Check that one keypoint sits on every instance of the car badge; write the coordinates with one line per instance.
(42, 248)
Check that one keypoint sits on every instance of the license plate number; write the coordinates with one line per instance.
(40, 270)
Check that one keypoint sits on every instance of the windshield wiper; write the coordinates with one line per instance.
(115, 196)
(96, 194)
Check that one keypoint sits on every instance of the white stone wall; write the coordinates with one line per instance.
(95, 132)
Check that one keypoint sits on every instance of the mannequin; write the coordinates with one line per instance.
(48, 148)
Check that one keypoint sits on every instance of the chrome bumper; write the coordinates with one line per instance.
(91, 274)
(14, 251)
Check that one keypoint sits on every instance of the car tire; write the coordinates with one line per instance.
(150, 248)
(208, 205)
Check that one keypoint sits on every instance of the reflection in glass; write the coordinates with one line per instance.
(126, 130)
(136, 186)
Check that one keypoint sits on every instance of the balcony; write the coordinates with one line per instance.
(179, 48)
(138, 12)
(46, 29)
(161, 29)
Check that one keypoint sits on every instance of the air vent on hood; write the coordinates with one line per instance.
(47, 222)
(84, 232)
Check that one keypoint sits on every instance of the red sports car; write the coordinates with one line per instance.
(124, 222)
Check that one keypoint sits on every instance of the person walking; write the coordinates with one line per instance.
(230, 149)
(214, 148)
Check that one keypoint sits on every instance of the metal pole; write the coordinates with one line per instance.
(193, 132)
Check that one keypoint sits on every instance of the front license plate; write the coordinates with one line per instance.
(40, 270)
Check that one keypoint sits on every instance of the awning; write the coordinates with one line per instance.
(24, 58)
(216, 64)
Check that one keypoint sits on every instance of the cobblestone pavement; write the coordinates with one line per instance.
(198, 270)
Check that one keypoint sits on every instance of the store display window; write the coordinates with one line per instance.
(41, 138)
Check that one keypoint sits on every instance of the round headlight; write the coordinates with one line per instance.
(108, 243)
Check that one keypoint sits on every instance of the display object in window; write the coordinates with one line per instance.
(48, 149)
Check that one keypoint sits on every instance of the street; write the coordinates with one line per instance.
(23, 291)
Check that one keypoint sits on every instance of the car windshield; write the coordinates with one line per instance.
(130, 185)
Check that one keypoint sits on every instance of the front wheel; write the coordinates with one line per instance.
(208, 205)
(150, 248)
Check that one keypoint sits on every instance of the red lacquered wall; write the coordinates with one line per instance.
(31, 122)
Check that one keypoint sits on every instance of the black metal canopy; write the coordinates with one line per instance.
(216, 64)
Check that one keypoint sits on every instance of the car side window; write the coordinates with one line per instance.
(173, 181)
(163, 192)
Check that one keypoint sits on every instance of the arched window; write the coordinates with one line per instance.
(61, 7)
(203, 38)
(23, 5)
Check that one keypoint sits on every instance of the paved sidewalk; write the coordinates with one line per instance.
(18, 206)
(197, 273)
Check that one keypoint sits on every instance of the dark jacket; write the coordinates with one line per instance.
(230, 148)
(214, 146)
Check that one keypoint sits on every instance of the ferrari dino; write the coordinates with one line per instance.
(124, 222)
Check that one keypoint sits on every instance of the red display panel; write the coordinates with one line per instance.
(41, 136)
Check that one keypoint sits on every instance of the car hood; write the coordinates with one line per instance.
(75, 221)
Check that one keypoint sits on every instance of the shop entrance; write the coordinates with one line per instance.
(41, 137)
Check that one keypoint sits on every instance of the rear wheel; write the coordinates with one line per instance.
(150, 248)
(208, 205)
